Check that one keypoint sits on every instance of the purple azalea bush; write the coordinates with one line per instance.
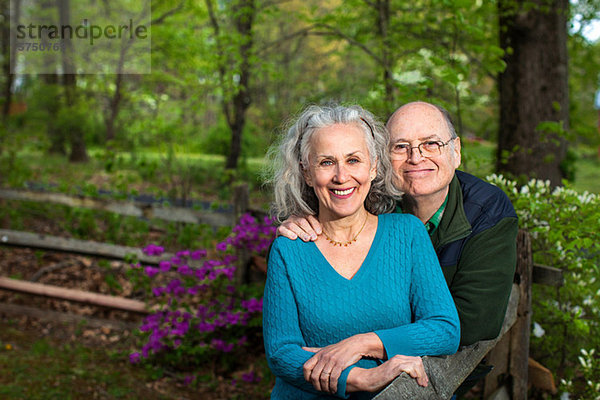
(198, 310)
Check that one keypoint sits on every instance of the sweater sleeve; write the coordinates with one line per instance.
(435, 329)
(481, 286)
(281, 329)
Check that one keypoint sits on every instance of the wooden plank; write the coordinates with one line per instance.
(80, 296)
(66, 318)
(545, 275)
(85, 247)
(513, 358)
(447, 373)
(499, 358)
(134, 209)
(519, 334)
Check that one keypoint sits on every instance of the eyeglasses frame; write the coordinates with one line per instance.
(441, 144)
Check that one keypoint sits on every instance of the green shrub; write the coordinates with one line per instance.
(564, 229)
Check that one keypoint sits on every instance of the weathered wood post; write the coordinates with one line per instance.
(240, 206)
(510, 357)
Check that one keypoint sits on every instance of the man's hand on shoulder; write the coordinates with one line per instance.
(305, 228)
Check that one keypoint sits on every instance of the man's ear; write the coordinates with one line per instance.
(457, 157)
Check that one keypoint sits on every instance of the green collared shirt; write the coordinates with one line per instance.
(433, 222)
(435, 219)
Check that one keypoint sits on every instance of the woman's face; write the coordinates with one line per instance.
(340, 170)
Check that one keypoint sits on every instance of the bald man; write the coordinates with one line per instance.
(472, 224)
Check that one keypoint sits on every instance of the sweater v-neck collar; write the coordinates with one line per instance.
(365, 264)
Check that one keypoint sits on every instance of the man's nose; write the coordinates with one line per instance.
(415, 154)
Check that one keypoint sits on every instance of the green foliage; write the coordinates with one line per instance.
(564, 229)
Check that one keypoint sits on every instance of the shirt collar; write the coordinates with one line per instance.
(433, 222)
(435, 219)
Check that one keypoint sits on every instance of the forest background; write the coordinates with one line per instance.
(518, 77)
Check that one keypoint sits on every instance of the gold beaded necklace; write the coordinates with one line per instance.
(345, 244)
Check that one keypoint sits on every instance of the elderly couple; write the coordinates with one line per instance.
(400, 256)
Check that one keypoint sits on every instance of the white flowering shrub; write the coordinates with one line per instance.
(564, 227)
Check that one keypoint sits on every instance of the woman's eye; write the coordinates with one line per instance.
(326, 163)
(353, 161)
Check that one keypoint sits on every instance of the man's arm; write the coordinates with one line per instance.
(482, 283)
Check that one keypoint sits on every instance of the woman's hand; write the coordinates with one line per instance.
(324, 368)
(305, 228)
(375, 379)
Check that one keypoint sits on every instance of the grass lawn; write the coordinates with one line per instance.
(36, 367)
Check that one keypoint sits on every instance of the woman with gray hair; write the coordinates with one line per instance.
(347, 313)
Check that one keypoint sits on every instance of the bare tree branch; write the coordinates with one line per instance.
(333, 31)
(167, 14)
(283, 39)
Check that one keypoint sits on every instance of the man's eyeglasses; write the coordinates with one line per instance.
(428, 148)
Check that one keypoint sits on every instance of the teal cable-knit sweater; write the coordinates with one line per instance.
(399, 293)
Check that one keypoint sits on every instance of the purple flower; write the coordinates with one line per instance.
(185, 270)
(183, 253)
(250, 377)
(151, 271)
(221, 345)
(153, 250)
(252, 305)
(158, 291)
(205, 327)
(231, 318)
(228, 272)
(164, 266)
(188, 379)
(222, 246)
(135, 358)
(198, 254)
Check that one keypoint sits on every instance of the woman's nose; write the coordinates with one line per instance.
(341, 173)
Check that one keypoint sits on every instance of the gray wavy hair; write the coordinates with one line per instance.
(293, 196)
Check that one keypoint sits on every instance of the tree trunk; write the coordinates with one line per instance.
(244, 12)
(383, 25)
(76, 134)
(533, 88)
(8, 54)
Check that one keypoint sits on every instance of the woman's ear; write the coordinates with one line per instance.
(306, 175)
(373, 172)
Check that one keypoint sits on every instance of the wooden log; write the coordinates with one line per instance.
(545, 275)
(447, 373)
(66, 318)
(80, 296)
(76, 246)
(134, 209)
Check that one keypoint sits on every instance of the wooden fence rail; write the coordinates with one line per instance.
(128, 208)
(79, 296)
(85, 247)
